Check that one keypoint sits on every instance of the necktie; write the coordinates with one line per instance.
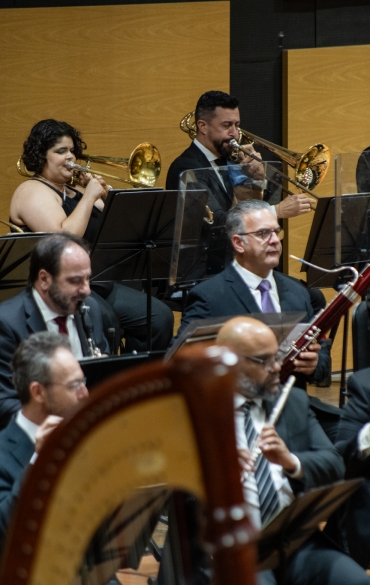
(266, 300)
(222, 162)
(61, 321)
(268, 496)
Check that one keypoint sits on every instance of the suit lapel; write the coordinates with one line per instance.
(283, 292)
(21, 446)
(213, 178)
(35, 322)
(241, 289)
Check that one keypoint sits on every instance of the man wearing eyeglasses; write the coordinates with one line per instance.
(50, 383)
(251, 285)
(295, 454)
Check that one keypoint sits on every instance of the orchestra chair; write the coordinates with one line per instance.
(360, 337)
(155, 428)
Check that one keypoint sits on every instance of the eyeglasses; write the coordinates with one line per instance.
(265, 235)
(269, 362)
(74, 386)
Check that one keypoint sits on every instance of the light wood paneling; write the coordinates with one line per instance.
(326, 99)
(121, 74)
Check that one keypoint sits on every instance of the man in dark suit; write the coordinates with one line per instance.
(58, 284)
(49, 382)
(353, 442)
(217, 120)
(256, 239)
(299, 456)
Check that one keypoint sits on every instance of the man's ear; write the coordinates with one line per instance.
(37, 392)
(44, 279)
(201, 126)
(238, 243)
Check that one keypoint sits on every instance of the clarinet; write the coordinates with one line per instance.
(328, 317)
(275, 413)
(94, 351)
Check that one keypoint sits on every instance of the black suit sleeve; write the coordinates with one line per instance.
(321, 462)
(9, 494)
(9, 401)
(355, 414)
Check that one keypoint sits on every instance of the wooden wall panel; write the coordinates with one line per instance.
(326, 99)
(121, 74)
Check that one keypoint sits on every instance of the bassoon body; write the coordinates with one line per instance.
(326, 319)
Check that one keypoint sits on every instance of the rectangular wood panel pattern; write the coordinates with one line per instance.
(121, 74)
(326, 97)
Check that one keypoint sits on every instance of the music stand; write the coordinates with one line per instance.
(207, 329)
(15, 252)
(294, 525)
(137, 233)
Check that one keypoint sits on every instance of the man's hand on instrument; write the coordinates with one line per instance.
(306, 361)
(255, 169)
(245, 459)
(44, 430)
(294, 205)
(275, 450)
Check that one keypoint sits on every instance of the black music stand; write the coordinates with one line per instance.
(294, 525)
(137, 236)
(15, 252)
(339, 236)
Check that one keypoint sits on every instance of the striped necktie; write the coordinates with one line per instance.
(268, 496)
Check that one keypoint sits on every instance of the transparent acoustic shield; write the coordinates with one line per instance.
(201, 246)
(340, 234)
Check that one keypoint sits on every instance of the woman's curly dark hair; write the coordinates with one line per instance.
(45, 135)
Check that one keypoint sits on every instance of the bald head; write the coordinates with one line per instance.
(251, 338)
(248, 336)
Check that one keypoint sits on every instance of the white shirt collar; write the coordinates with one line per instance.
(211, 157)
(26, 425)
(239, 400)
(47, 313)
(252, 280)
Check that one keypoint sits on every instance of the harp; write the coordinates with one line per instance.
(140, 435)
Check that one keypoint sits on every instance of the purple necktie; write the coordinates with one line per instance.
(266, 300)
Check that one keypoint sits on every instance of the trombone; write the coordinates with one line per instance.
(310, 166)
(143, 166)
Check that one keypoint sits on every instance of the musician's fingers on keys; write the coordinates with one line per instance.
(245, 458)
(274, 448)
(307, 360)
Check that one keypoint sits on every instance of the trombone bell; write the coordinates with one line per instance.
(310, 167)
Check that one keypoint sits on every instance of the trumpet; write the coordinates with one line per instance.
(276, 411)
(310, 166)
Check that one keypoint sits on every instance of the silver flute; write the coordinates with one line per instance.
(275, 413)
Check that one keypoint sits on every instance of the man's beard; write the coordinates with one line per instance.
(62, 302)
(251, 389)
(223, 147)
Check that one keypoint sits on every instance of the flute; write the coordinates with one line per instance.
(275, 413)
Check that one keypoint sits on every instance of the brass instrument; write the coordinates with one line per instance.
(310, 166)
(143, 166)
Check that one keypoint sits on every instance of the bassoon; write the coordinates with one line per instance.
(326, 319)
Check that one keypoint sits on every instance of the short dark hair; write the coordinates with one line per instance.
(44, 135)
(209, 101)
(234, 219)
(32, 360)
(47, 253)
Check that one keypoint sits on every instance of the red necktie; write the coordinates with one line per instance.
(62, 325)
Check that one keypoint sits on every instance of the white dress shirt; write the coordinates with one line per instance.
(279, 477)
(48, 315)
(252, 281)
(212, 158)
